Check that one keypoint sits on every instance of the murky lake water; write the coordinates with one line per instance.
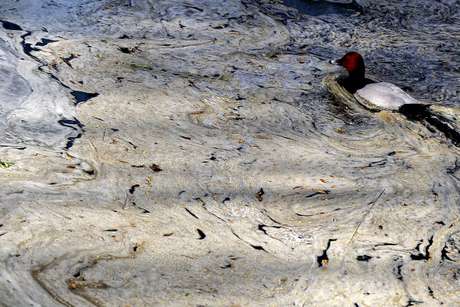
(207, 165)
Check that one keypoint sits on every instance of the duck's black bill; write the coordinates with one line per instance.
(336, 62)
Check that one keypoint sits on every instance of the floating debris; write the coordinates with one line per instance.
(260, 194)
(155, 168)
(6, 164)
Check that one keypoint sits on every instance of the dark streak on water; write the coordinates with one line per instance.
(422, 113)
(80, 96)
(27, 47)
(318, 8)
(68, 59)
(364, 258)
(10, 26)
(445, 254)
(70, 123)
(45, 42)
(74, 124)
(191, 213)
(258, 247)
(420, 255)
(323, 259)
(66, 122)
(71, 140)
(133, 188)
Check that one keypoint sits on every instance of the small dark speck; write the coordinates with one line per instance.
(260, 194)
(191, 213)
(125, 50)
(138, 166)
(258, 247)
(68, 61)
(261, 227)
(430, 291)
(201, 234)
(364, 258)
(412, 302)
(155, 168)
(227, 266)
(133, 188)
(132, 144)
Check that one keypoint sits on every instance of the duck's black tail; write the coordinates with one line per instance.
(425, 114)
(415, 111)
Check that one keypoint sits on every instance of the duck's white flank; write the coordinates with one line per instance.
(385, 95)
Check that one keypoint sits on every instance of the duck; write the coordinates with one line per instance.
(355, 89)
(371, 94)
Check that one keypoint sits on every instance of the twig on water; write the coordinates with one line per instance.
(372, 204)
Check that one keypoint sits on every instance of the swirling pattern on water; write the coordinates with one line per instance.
(214, 168)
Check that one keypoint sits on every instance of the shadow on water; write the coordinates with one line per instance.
(321, 7)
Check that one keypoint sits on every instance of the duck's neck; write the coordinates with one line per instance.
(357, 75)
(355, 80)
